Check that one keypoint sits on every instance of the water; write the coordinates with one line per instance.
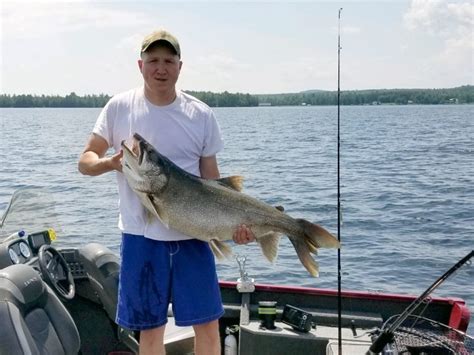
(407, 187)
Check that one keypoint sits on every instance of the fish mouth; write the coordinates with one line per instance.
(127, 149)
(136, 149)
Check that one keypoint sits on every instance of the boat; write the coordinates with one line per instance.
(62, 300)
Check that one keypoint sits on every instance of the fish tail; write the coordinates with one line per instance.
(313, 238)
(316, 236)
(302, 250)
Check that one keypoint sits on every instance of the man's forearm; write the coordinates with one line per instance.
(91, 164)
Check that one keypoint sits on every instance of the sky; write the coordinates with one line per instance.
(256, 47)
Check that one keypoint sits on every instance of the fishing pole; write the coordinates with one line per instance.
(387, 336)
(339, 295)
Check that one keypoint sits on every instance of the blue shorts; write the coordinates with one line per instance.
(154, 273)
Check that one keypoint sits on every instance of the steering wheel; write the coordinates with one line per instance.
(56, 272)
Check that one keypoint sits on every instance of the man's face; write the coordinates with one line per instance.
(160, 69)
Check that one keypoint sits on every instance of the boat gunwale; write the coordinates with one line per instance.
(459, 314)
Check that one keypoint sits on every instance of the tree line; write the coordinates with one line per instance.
(71, 100)
(458, 95)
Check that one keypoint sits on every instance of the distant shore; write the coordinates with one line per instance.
(458, 95)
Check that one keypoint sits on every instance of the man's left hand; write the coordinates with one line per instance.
(243, 235)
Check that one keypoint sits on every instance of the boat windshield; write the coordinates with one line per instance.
(30, 209)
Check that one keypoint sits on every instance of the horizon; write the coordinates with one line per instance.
(309, 91)
(81, 46)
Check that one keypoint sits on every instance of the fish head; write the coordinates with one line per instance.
(145, 169)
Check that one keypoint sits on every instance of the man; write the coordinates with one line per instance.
(160, 265)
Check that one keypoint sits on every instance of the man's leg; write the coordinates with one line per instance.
(144, 290)
(196, 294)
(151, 341)
(207, 340)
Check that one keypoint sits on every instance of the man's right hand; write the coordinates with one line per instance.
(116, 161)
(93, 161)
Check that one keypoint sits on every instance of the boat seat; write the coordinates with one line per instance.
(102, 267)
(34, 321)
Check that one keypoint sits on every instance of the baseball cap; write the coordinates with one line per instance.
(161, 35)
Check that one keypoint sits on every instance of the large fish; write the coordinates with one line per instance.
(211, 210)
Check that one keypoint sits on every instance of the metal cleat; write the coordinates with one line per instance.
(245, 284)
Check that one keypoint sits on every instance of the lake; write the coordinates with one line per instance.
(407, 184)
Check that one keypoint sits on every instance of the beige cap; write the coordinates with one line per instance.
(161, 35)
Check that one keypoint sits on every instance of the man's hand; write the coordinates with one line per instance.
(116, 161)
(93, 160)
(243, 235)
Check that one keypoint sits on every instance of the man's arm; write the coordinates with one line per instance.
(210, 170)
(208, 167)
(93, 161)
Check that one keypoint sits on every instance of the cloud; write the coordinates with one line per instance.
(28, 19)
(452, 24)
(448, 20)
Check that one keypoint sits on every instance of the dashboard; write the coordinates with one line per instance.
(19, 252)
(22, 250)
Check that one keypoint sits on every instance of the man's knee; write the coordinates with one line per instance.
(151, 341)
(207, 339)
(208, 330)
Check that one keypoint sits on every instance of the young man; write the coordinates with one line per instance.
(160, 265)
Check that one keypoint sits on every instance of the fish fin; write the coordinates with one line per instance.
(305, 257)
(312, 248)
(160, 213)
(280, 208)
(220, 249)
(269, 244)
(317, 236)
(217, 253)
(234, 182)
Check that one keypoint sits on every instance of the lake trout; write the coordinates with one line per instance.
(211, 210)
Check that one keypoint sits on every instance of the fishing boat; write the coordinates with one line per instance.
(62, 300)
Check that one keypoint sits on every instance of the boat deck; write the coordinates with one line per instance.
(284, 340)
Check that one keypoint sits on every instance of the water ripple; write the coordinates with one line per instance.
(407, 187)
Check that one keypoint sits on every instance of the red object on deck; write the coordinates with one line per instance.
(460, 316)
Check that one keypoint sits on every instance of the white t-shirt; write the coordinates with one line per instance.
(183, 131)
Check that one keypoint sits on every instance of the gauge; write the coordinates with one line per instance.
(13, 256)
(25, 250)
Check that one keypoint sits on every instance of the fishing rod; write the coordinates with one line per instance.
(339, 282)
(387, 336)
